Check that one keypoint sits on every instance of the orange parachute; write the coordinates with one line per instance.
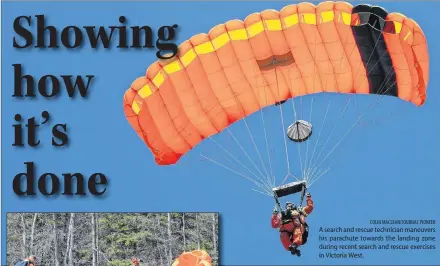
(241, 67)
(193, 258)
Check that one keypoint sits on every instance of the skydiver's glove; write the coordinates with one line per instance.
(308, 195)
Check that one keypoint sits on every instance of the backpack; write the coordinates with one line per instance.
(305, 234)
(22, 263)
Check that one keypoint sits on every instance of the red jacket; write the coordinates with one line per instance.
(291, 226)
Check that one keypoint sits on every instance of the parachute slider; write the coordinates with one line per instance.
(288, 189)
(299, 131)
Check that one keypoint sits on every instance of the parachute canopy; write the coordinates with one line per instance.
(193, 258)
(241, 67)
(299, 131)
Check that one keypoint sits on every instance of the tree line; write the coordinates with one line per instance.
(95, 239)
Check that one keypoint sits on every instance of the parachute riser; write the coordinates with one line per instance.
(277, 200)
(303, 193)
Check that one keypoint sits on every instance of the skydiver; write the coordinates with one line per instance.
(292, 224)
(136, 261)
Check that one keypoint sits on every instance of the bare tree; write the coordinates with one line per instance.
(198, 232)
(170, 255)
(183, 231)
(71, 229)
(214, 232)
(55, 232)
(67, 245)
(68, 256)
(31, 248)
(97, 239)
(94, 262)
(23, 223)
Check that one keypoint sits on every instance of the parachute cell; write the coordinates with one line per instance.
(241, 67)
(193, 258)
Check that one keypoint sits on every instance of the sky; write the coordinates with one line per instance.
(386, 167)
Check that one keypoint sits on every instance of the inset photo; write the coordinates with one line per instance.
(112, 239)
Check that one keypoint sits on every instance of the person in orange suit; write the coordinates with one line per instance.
(136, 261)
(292, 225)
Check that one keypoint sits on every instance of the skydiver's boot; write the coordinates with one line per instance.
(294, 250)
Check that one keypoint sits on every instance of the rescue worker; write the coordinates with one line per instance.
(136, 261)
(29, 261)
(292, 225)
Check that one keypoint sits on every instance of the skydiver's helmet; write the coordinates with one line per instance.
(290, 206)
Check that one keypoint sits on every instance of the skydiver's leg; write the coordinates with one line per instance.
(297, 236)
(296, 241)
(285, 239)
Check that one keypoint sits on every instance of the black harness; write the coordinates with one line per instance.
(286, 217)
